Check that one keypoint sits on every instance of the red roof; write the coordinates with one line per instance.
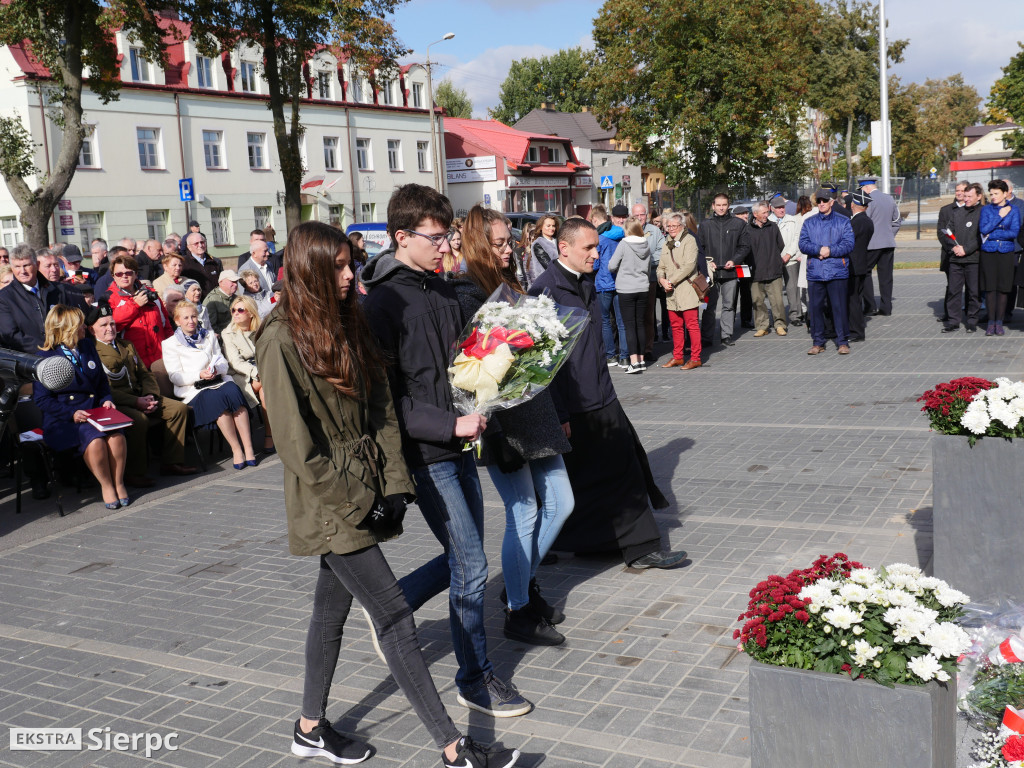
(502, 140)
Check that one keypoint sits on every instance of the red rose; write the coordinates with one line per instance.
(1013, 749)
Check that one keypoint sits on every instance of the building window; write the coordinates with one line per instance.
(149, 147)
(355, 87)
(204, 72)
(221, 225)
(257, 143)
(533, 155)
(90, 226)
(423, 155)
(213, 149)
(334, 214)
(323, 82)
(367, 211)
(88, 157)
(10, 231)
(394, 155)
(554, 155)
(140, 67)
(247, 70)
(331, 153)
(417, 94)
(364, 159)
(156, 223)
(261, 216)
(385, 91)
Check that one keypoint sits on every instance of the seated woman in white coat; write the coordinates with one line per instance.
(198, 371)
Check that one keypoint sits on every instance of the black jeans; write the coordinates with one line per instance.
(634, 308)
(366, 576)
(962, 277)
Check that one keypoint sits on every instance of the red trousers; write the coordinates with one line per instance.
(682, 322)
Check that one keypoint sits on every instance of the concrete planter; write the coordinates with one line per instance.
(804, 719)
(976, 496)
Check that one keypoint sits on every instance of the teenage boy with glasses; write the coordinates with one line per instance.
(416, 316)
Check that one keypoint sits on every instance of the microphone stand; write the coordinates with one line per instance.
(8, 402)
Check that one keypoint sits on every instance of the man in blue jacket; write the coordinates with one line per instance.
(609, 235)
(827, 239)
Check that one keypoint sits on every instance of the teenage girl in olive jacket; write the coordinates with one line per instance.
(346, 487)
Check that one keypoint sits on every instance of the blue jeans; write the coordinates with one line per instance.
(451, 502)
(610, 299)
(529, 535)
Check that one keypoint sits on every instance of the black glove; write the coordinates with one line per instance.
(385, 515)
(505, 456)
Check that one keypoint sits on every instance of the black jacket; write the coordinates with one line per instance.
(761, 248)
(863, 229)
(207, 274)
(22, 313)
(417, 320)
(943, 222)
(964, 223)
(583, 383)
(717, 239)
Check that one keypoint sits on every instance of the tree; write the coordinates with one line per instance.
(1006, 101)
(696, 87)
(558, 80)
(290, 33)
(454, 101)
(790, 167)
(845, 81)
(947, 107)
(68, 38)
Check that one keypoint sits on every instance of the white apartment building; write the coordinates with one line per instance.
(208, 120)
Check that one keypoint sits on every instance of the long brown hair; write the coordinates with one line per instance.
(330, 334)
(482, 266)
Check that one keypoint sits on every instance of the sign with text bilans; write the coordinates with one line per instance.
(459, 170)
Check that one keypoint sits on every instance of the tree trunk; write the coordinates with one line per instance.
(849, 152)
(35, 221)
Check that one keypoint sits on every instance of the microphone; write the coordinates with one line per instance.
(54, 373)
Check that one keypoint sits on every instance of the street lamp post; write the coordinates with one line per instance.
(883, 85)
(430, 105)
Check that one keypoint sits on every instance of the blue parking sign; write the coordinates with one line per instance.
(186, 191)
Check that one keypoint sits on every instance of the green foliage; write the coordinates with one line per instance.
(696, 86)
(790, 166)
(557, 80)
(1015, 141)
(17, 150)
(453, 100)
(928, 120)
(994, 688)
(1006, 99)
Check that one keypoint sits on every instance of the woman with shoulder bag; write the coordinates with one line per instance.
(677, 274)
(346, 487)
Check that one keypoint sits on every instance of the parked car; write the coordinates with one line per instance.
(520, 217)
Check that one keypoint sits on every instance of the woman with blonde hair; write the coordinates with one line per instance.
(6, 275)
(631, 265)
(198, 371)
(544, 250)
(453, 261)
(239, 342)
(524, 455)
(66, 424)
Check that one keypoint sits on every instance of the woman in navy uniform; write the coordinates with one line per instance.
(66, 424)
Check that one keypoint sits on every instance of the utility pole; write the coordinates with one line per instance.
(883, 63)
(434, 154)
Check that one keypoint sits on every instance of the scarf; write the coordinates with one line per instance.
(194, 340)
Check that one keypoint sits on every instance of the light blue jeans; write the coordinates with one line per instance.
(530, 531)
(451, 502)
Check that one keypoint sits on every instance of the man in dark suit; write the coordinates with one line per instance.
(199, 265)
(945, 214)
(256, 236)
(25, 302)
(863, 229)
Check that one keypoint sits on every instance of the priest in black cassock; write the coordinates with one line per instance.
(608, 468)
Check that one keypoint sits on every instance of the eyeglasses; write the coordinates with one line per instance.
(435, 240)
(502, 245)
(126, 273)
(239, 311)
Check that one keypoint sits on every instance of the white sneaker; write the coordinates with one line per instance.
(631, 368)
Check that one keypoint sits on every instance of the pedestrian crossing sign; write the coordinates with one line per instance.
(607, 182)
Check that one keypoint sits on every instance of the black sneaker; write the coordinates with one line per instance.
(659, 560)
(327, 742)
(473, 755)
(527, 627)
(497, 698)
(727, 341)
(538, 604)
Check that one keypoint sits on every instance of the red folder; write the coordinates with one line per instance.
(108, 419)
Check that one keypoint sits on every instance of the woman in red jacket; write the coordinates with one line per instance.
(138, 311)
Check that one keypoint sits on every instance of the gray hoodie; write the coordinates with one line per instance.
(631, 265)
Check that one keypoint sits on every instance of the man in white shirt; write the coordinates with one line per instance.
(789, 226)
(259, 262)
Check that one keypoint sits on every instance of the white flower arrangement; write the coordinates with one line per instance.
(998, 411)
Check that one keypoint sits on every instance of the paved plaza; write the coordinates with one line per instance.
(185, 613)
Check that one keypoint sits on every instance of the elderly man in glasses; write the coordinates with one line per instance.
(218, 301)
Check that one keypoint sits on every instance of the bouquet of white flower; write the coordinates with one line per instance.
(997, 412)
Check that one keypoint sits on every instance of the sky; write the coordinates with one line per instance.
(491, 34)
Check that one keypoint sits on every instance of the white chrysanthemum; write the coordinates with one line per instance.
(999, 410)
(842, 617)
(853, 593)
(930, 582)
(863, 652)
(948, 597)
(910, 570)
(976, 419)
(942, 676)
(832, 584)
(865, 576)
(816, 593)
(905, 581)
(902, 635)
(900, 598)
(946, 639)
(925, 667)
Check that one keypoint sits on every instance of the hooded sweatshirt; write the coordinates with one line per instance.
(631, 265)
(417, 319)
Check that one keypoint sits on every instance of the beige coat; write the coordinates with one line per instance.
(240, 350)
(678, 264)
